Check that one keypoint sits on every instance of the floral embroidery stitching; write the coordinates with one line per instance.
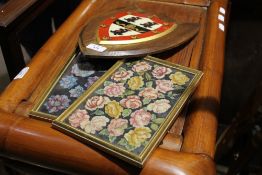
(76, 92)
(161, 71)
(56, 103)
(114, 89)
(90, 81)
(179, 78)
(68, 81)
(72, 84)
(129, 106)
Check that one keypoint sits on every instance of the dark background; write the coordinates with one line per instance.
(242, 75)
(243, 59)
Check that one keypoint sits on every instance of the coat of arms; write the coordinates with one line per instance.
(132, 27)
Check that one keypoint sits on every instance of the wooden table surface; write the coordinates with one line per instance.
(188, 148)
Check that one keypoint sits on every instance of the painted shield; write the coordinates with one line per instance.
(132, 27)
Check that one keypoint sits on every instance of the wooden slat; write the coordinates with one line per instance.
(200, 132)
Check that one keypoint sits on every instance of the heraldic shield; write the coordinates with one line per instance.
(130, 33)
(132, 27)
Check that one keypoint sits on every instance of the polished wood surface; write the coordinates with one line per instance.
(32, 141)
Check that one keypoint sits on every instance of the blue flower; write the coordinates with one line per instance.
(76, 92)
(68, 81)
(91, 80)
(56, 103)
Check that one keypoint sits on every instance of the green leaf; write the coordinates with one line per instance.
(123, 142)
(145, 143)
(160, 95)
(170, 94)
(177, 87)
(129, 147)
(123, 81)
(99, 112)
(148, 77)
(153, 116)
(100, 92)
(141, 73)
(146, 101)
(128, 64)
(129, 92)
(122, 69)
(107, 83)
(154, 127)
(159, 120)
(104, 132)
(149, 84)
(126, 112)
(112, 138)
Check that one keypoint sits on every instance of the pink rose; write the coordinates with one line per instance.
(77, 117)
(96, 102)
(114, 89)
(132, 102)
(141, 67)
(164, 85)
(149, 93)
(140, 118)
(122, 75)
(96, 124)
(160, 72)
(117, 127)
(159, 106)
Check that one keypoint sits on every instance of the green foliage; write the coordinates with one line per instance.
(104, 132)
(99, 112)
(159, 120)
(112, 138)
(148, 76)
(126, 112)
(149, 84)
(100, 92)
(129, 92)
(107, 83)
(154, 127)
(146, 101)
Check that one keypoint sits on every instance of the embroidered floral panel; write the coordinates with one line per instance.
(131, 107)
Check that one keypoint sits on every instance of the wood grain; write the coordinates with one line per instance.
(54, 150)
(200, 132)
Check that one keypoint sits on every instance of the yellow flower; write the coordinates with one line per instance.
(135, 82)
(113, 109)
(138, 136)
(179, 78)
